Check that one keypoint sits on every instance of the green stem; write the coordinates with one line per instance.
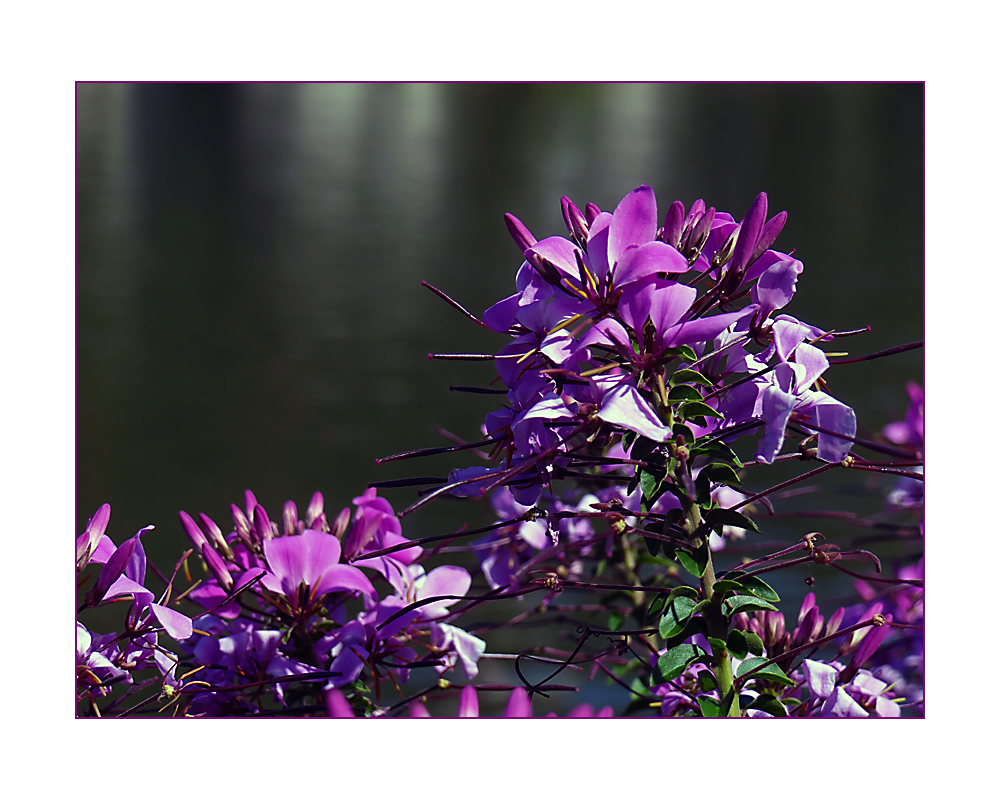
(718, 628)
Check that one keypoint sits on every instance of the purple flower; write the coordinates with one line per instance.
(306, 567)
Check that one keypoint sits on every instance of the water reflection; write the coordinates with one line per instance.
(250, 312)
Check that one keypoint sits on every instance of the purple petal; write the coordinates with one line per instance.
(302, 558)
(501, 316)
(814, 361)
(468, 702)
(669, 303)
(173, 622)
(775, 288)
(519, 704)
(344, 577)
(633, 223)
(701, 330)
(841, 704)
(337, 705)
(444, 580)
(776, 406)
(648, 259)
(839, 418)
(623, 405)
(561, 252)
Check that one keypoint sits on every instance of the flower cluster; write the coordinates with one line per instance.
(638, 355)
(611, 336)
(280, 609)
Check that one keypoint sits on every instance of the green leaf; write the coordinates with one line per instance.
(652, 545)
(687, 352)
(742, 602)
(703, 491)
(706, 681)
(655, 607)
(726, 516)
(758, 588)
(678, 613)
(754, 643)
(689, 376)
(675, 661)
(695, 563)
(717, 451)
(650, 482)
(685, 431)
(718, 645)
(728, 586)
(682, 591)
(700, 409)
(642, 448)
(721, 473)
(770, 704)
(709, 706)
(772, 672)
(696, 624)
(680, 394)
(671, 518)
(736, 643)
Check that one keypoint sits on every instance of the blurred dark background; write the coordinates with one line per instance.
(249, 307)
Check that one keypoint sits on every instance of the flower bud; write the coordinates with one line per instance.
(673, 225)
(289, 519)
(576, 222)
(193, 532)
(521, 235)
(341, 522)
(699, 235)
(768, 234)
(216, 538)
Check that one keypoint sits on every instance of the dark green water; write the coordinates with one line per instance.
(249, 308)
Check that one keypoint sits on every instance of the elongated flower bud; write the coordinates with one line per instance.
(216, 537)
(289, 518)
(576, 222)
(768, 234)
(673, 225)
(193, 532)
(521, 235)
(750, 229)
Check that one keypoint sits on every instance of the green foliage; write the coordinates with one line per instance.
(717, 517)
(689, 376)
(769, 703)
(677, 614)
(735, 605)
(772, 672)
(672, 663)
(695, 562)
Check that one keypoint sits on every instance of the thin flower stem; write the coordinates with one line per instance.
(914, 475)
(881, 353)
(433, 451)
(811, 474)
(913, 582)
(455, 304)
